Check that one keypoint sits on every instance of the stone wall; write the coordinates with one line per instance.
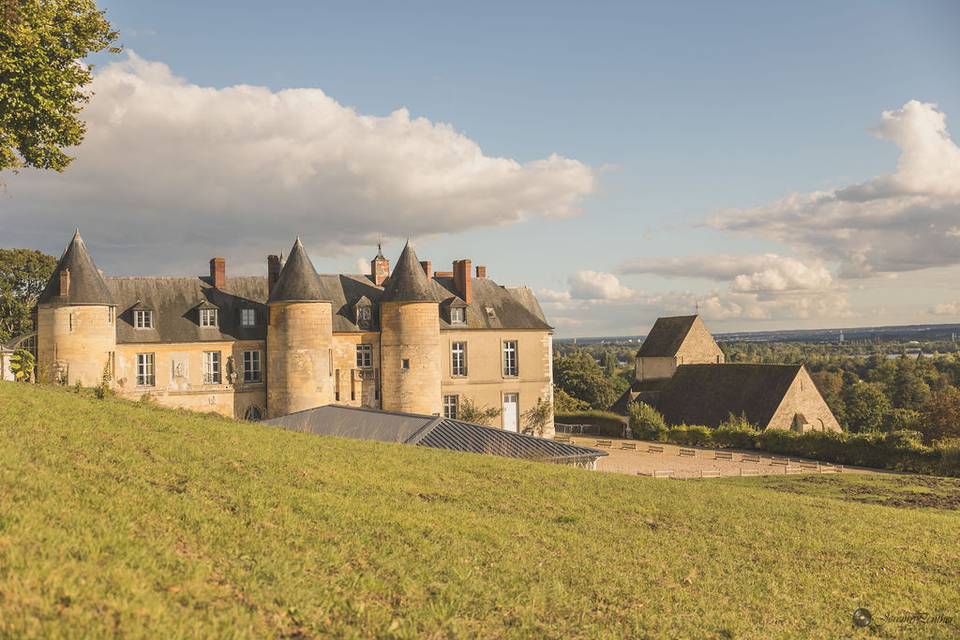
(803, 398)
(355, 386)
(75, 342)
(410, 332)
(300, 363)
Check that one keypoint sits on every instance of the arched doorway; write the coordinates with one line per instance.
(253, 413)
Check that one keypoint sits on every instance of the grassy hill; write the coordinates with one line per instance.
(124, 520)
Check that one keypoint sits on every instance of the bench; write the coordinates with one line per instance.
(722, 455)
(810, 466)
(789, 469)
(604, 443)
(780, 463)
(566, 439)
(663, 474)
(748, 457)
(711, 473)
(690, 453)
(628, 445)
(749, 472)
(654, 449)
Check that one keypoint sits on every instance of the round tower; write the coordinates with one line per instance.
(299, 339)
(410, 340)
(76, 322)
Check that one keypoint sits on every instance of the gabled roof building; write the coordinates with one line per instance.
(681, 372)
(409, 340)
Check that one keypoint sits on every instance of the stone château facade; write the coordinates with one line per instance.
(409, 340)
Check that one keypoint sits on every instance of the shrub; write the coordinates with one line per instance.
(603, 423)
(469, 411)
(901, 420)
(904, 439)
(646, 423)
(736, 438)
(949, 451)
(694, 434)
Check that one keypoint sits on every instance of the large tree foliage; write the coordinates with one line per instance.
(23, 274)
(43, 77)
(579, 375)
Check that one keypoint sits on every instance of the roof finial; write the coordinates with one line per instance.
(697, 305)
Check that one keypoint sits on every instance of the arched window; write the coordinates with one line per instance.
(253, 414)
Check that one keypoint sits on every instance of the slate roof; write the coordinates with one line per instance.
(707, 394)
(298, 280)
(430, 431)
(86, 282)
(638, 389)
(407, 281)
(666, 336)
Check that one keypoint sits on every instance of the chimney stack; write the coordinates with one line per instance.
(461, 279)
(481, 271)
(427, 268)
(379, 268)
(218, 272)
(273, 271)
(65, 282)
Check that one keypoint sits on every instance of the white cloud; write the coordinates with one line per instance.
(751, 273)
(551, 295)
(597, 285)
(898, 222)
(946, 309)
(169, 167)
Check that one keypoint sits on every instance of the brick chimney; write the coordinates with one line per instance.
(65, 282)
(461, 279)
(273, 271)
(379, 268)
(427, 268)
(218, 272)
(481, 271)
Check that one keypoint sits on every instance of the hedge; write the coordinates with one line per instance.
(604, 423)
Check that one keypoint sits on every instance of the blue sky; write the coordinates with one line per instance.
(676, 110)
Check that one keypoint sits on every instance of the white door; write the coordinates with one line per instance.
(511, 409)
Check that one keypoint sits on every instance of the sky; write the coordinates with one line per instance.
(772, 165)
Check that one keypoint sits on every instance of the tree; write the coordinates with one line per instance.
(43, 77)
(23, 275)
(866, 406)
(941, 415)
(563, 402)
(579, 375)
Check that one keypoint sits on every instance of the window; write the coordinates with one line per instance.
(458, 359)
(143, 319)
(145, 370)
(248, 317)
(252, 370)
(364, 356)
(405, 364)
(510, 358)
(450, 406)
(253, 413)
(458, 315)
(110, 312)
(211, 367)
(208, 317)
(363, 314)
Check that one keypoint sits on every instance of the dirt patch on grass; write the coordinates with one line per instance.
(907, 492)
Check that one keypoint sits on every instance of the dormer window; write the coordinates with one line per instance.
(363, 312)
(458, 315)
(208, 318)
(455, 311)
(143, 319)
(491, 312)
(248, 318)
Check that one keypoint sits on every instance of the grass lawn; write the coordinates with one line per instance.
(121, 520)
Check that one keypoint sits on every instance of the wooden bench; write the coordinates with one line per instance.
(566, 439)
(749, 472)
(789, 469)
(709, 473)
(748, 457)
(663, 474)
(628, 445)
(810, 466)
(654, 449)
(722, 455)
(780, 463)
(690, 453)
(604, 443)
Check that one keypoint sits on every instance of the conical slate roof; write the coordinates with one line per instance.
(86, 283)
(408, 282)
(298, 281)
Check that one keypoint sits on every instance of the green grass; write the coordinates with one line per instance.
(120, 520)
